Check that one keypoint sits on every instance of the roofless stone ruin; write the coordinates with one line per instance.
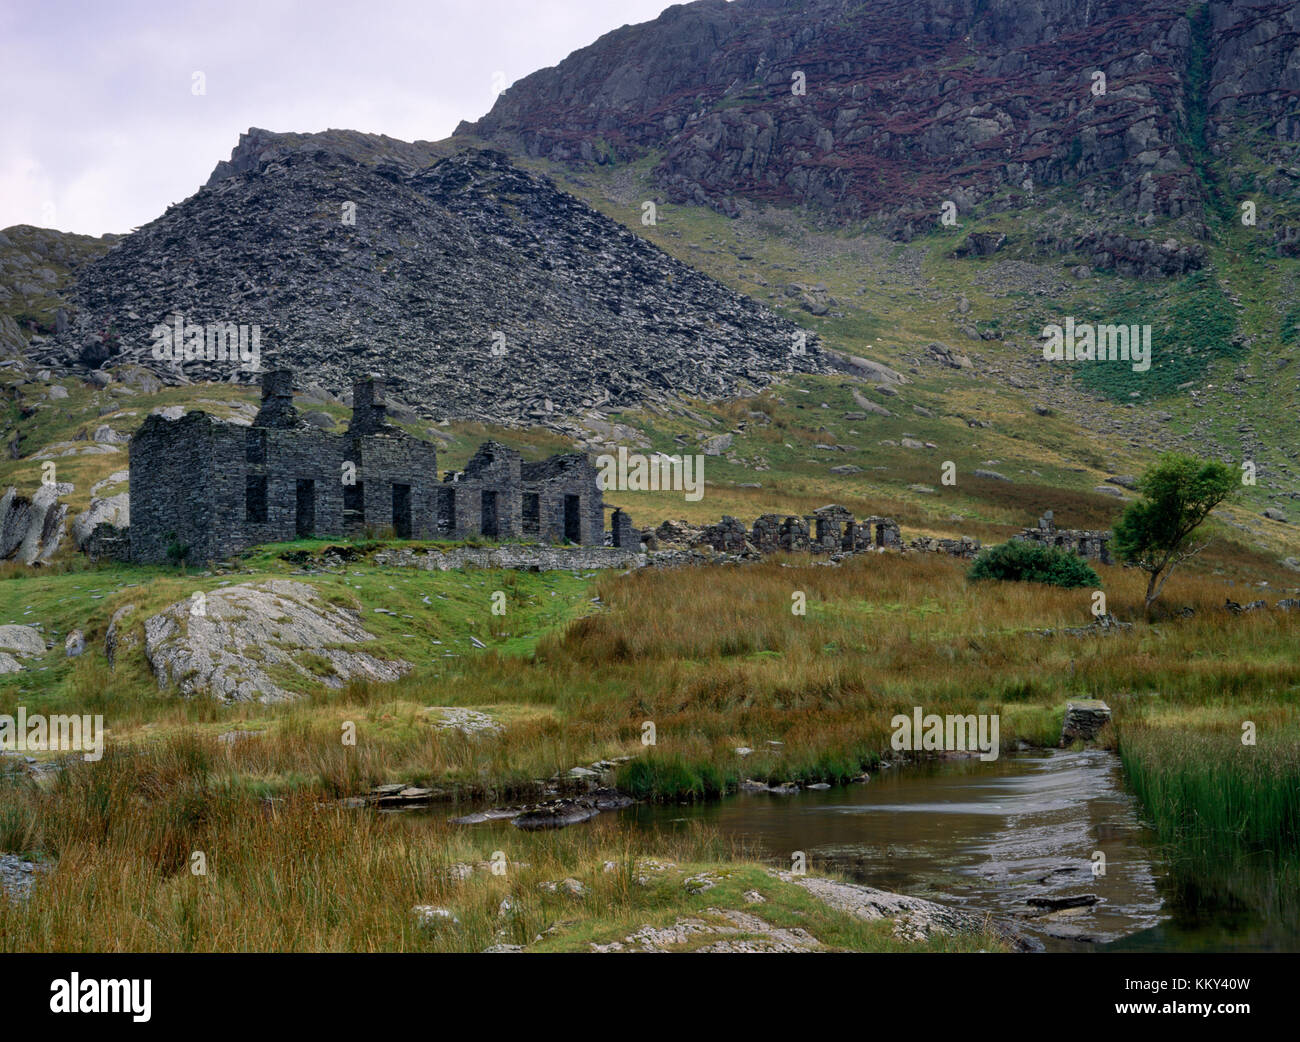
(212, 488)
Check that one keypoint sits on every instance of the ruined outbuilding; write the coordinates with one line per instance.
(1089, 543)
(830, 529)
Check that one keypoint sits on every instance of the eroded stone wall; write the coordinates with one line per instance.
(1092, 544)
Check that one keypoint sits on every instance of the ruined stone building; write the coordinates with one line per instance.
(1089, 543)
(500, 496)
(830, 529)
(205, 488)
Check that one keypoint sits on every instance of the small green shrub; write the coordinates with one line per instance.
(177, 551)
(1023, 561)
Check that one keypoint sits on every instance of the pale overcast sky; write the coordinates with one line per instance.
(100, 128)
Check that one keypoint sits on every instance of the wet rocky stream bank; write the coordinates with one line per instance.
(1047, 842)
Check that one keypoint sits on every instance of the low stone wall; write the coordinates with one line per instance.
(526, 558)
(964, 547)
(828, 530)
(551, 559)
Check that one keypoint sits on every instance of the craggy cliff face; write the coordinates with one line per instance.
(890, 107)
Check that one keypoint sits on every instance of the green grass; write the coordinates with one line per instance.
(426, 616)
(1227, 813)
(1193, 326)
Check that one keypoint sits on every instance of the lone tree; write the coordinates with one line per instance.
(1154, 533)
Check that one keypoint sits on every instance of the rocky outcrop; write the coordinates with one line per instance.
(948, 356)
(480, 289)
(1127, 255)
(36, 266)
(914, 918)
(722, 931)
(32, 529)
(18, 643)
(867, 368)
(226, 644)
(980, 244)
(22, 640)
(1254, 72)
(113, 510)
(885, 110)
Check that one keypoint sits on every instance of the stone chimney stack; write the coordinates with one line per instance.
(277, 400)
(369, 406)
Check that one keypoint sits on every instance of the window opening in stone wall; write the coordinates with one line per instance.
(255, 498)
(532, 515)
(402, 511)
(354, 504)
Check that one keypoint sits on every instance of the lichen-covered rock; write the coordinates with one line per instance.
(948, 356)
(469, 722)
(23, 641)
(736, 932)
(914, 918)
(716, 445)
(227, 644)
(18, 875)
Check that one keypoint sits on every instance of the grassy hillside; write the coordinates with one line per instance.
(36, 267)
(1223, 379)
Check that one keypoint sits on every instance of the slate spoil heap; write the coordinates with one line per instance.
(480, 290)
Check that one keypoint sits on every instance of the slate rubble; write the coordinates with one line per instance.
(480, 289)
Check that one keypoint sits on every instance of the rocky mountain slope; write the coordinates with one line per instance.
(1132, 161)
(906, 104)
(479, 288)
(37, 266)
